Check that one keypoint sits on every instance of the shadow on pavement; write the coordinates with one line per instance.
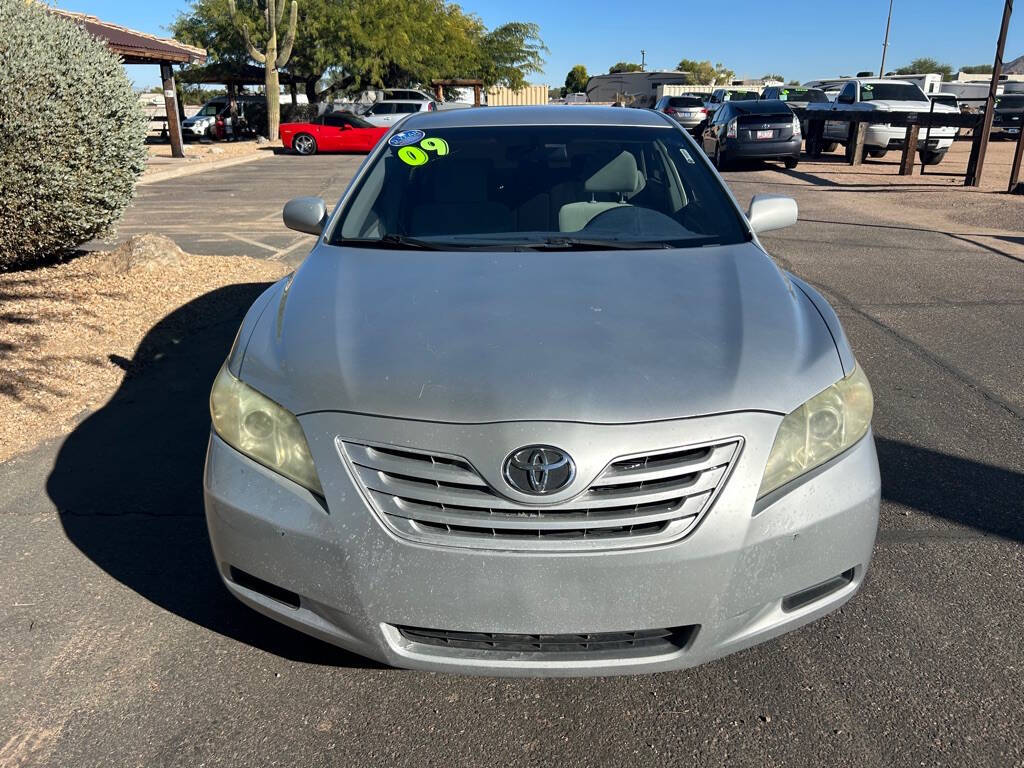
(128, 481)
(963, 491)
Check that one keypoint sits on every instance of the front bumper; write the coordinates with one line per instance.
(887, 137)
(355, 581)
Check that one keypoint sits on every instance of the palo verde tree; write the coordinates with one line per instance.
(623, 66)
(926, 65)
(271, 59)
(72, 136)
(704, 72)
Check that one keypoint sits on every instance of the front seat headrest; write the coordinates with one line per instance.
(620, 176)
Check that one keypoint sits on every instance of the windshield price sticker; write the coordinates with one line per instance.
(404, 138)
(418, 155)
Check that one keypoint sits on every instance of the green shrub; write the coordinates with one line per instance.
(72, 136)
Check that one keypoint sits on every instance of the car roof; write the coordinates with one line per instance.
(538, 115)
(880, 80)
(399, 101)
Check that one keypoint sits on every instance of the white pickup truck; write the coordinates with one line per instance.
(883, 95)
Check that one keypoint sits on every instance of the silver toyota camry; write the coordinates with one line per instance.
(538, 402)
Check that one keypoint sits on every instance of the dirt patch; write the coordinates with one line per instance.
(68, 332)
(201, 153)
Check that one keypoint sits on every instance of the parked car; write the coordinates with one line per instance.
(333, 132)
(746, 130)
(538, 402)
(251, 111)
(797, 98)
(884, 96)
(720, 96)
(388, 112)
(688, 111)
(1008, 115)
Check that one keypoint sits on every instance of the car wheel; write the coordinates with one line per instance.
(877, 152)
(721, 162)
(790, 162)
(304, 144)
(931, 157)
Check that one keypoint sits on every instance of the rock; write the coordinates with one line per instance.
(140, 252)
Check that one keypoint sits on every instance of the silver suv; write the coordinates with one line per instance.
(538, 402)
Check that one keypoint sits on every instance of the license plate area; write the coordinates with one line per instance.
(762, 135)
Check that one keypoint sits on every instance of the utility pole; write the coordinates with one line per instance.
(976, 162)
(885, 45)
(643, 60)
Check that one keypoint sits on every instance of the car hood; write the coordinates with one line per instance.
(600, 337)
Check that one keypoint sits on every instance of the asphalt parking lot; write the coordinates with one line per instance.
(121, 647)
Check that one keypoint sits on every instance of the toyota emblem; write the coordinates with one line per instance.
(539, 470)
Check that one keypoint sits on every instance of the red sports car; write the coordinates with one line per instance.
(333, 132)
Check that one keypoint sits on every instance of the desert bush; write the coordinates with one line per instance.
(72, 136)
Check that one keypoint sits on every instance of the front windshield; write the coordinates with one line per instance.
(1010, 102)
(210, 110)
(540, 186)
(891, 92)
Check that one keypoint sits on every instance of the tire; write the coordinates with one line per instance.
(304, 144)
(877, 152)
(790, 162)
(931, 156)
(720, 160)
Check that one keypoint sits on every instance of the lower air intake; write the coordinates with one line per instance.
(642, 641)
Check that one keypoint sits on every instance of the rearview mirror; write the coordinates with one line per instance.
(769, 212)
(306, 214)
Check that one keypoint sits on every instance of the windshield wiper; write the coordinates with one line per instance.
(585, 244)
(393, 240)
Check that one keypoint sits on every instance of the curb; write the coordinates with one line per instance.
(190, 170)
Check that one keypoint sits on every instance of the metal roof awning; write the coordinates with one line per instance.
(133, 46)
(234, 74)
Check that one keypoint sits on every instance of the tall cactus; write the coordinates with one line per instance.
(272, 60)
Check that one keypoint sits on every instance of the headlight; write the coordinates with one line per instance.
(261, 429)
(823, 427)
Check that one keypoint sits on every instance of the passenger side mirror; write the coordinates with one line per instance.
(769, 212)
(306, 214)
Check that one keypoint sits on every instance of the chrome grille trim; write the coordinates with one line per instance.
(637, 500)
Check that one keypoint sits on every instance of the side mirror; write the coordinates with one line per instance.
(769, 212)
(306, 214)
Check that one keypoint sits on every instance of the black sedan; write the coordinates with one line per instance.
(1009, 115)
(764, 130)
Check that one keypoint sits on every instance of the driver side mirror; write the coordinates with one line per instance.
(769, 212)
(306, 214)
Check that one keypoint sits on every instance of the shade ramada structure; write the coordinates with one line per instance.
(136, 47)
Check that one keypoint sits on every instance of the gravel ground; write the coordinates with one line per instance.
(68, 331)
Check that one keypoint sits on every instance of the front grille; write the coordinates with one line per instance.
(637, 642)
(635, 501)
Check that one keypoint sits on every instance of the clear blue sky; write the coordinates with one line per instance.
(752, 37)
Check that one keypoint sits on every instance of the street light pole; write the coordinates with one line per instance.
(888, 22)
